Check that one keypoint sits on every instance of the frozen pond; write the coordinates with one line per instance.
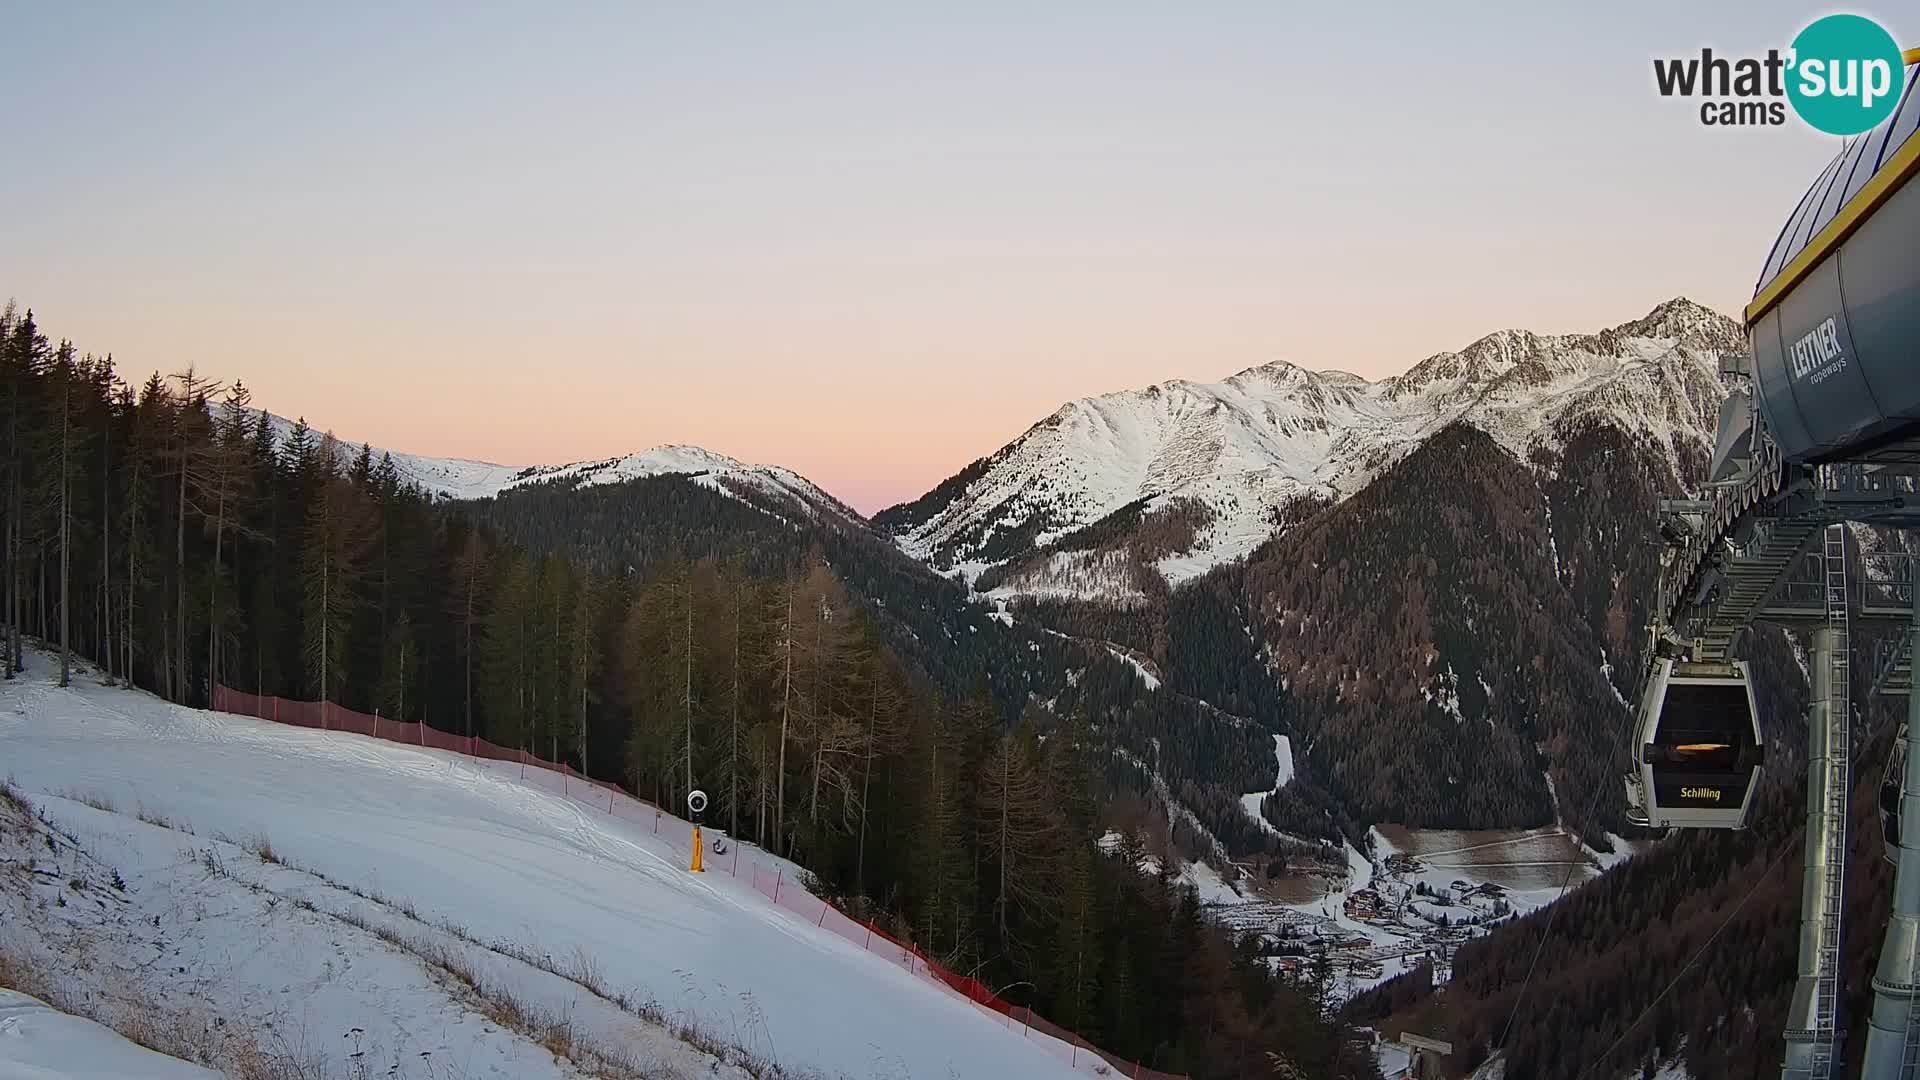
(1518, 859)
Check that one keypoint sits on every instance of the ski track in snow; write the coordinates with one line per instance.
(1283, 755)
(466, 842)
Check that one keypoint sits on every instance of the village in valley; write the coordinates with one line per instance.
(1376, 919)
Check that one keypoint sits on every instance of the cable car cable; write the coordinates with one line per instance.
(1554, 906)
(1763, 879)
(1765, 876)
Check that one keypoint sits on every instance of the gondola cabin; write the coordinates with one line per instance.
(1697, 748)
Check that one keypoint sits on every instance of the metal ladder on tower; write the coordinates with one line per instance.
(1898, 676)
(1910, 1049)
(1840, 719)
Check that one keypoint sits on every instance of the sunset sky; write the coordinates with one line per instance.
(868, 241)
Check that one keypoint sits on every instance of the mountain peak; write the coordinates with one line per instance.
(1287, 373)
(457, 478)
(1204, 473)
(1681, 319)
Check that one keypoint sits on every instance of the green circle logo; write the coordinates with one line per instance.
(1845, 74)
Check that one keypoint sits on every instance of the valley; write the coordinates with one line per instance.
(1413, 612)
(1195, 537)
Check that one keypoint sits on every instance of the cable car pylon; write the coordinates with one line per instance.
(1893, 1029)
(1815, 1026)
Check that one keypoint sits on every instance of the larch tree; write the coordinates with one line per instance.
(884, 735)
(398, 662)
(763, 756)
(146, 447)
(67, 405)
(115, 404)
(338, 536)
(1019, 830)
(187, 451)
(468, 606)
(264, 617)
(1077, 955)
(223, 493)
(557, 606)
(826, 662)
(584, 656)
(26, 356)
(733, 761)
(784, 652)
(662, 657)
(506, 649)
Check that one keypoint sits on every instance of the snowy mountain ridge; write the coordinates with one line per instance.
(770, 486)
(1219, 467)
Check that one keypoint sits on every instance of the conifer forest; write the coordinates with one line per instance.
(162, 532)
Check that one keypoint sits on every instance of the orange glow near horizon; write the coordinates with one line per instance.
(870, 248)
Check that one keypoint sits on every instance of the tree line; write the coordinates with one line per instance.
(177, 538)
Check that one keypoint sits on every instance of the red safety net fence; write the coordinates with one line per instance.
(762, 872)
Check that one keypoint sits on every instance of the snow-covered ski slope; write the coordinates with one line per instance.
(39, 1042)
(465, 843)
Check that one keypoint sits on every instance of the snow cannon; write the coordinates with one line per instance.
(697, 805)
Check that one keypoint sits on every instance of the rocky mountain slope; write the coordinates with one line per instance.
(1112, 492)
(1432, 584)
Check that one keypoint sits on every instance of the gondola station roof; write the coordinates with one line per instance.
(1835, 318)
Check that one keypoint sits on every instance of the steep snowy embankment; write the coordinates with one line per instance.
(39, 1042)
(432, 846)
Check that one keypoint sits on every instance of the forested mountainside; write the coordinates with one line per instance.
(170, 536)
(1727, 904)
(1441, 669)
(1203, 754)
(637, 526)
(1710, 919)
(1443, 642)
(1444, 610)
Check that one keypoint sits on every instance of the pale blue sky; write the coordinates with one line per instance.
(869, 241)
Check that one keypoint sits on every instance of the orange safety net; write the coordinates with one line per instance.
(762, 872)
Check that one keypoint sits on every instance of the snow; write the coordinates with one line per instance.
(1359, 870)
(39, 1042)
(1283, 755)
(1245, 447)
(1106, 576)
(1146, 676)
(1394, 1059)
(460, 478)
(435, 842)
(1208, 883)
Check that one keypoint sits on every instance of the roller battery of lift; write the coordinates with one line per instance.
(1822, 430)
